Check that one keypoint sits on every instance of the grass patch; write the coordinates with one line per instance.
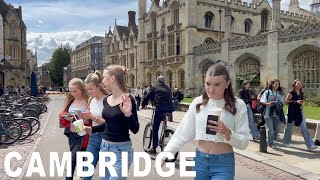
(309, 111)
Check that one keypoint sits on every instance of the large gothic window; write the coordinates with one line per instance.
(181, 79)
(264, 20)
(132, 85)
(306, 67)
(247, 25)
(250, 67)
(208, 17)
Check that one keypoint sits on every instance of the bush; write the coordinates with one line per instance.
(313, 101)
(254, 80)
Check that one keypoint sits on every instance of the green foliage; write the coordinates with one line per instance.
(254, 80)
(313, 101)
(60, 58)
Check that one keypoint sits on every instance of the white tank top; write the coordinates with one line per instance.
(96, 108)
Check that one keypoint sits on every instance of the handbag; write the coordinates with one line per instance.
(261, 107)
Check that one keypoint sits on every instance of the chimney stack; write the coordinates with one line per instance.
(132, 19)
(157, 2)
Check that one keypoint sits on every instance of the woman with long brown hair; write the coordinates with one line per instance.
(296, 116)
(214, 153)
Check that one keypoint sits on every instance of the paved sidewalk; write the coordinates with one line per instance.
(296, 160)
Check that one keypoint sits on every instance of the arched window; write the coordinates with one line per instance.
(205, 69)
(181, 79)
(208, 17)
(247, 25)
(208, 41)
(264, 20)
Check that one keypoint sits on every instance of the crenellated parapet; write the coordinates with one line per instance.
(292, 15)
(260, 39)
(207, 49)
(299, 32)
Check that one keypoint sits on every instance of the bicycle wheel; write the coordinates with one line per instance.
(11, 132)
(147, 137)
(25, 126)
(35, 123)
(165, 138)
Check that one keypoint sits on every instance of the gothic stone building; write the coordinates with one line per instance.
(180, 39)
(13, 46)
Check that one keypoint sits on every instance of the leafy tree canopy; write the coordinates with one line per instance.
(60, 58)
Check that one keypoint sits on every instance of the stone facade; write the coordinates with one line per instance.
(180, 39)
(87, 57)
(13, 47)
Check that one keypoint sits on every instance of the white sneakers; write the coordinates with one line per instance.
(310, 148)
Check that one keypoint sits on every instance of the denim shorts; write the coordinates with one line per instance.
(117, 149)
(214, 166)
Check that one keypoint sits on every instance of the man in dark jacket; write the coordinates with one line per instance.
(177, 96)
(161, 96)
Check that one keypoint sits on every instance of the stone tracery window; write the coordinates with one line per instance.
(208, 17)
(247, 25)
(249, 66)
(170, 79)
(181, 79)
(264, 20)
(306, 67)
(208, 41)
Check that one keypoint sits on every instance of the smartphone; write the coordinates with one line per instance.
(212, 118)
(75, 112)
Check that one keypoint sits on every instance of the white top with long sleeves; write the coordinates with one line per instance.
(193, 125)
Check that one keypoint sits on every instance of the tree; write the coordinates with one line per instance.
(60, 58)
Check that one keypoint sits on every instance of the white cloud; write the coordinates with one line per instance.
(46, 43)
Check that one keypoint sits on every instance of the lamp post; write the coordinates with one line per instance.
(4, 59)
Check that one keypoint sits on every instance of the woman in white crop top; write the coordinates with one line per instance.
(96, 90)
(214, 154)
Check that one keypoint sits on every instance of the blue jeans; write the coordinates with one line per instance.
(117, 149)
(214, 166)
(273, 125)
(304, 131)
(252, 125)
(94, 148)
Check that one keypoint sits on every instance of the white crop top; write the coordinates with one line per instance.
(193, 125)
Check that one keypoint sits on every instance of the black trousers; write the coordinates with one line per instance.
(138, 98)
(75, 146)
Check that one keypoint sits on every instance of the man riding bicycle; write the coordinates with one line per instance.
(161, 96)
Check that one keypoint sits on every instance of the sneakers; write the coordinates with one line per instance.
(272, 146)
(152, 151)
(288, 145)
(317, 143)
(255, 139)
(310, 148)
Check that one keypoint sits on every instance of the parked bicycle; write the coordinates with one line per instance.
(10, 131)
(165, 133)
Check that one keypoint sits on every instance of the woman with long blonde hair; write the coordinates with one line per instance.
(76, 101)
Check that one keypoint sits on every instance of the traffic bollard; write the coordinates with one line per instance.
(263, 139)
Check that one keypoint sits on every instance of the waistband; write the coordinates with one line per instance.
(116, 143)
(213, 156)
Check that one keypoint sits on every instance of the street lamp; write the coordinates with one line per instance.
(4, 59)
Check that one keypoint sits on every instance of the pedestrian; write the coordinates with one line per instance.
(76, 102)
(214, 153)
(263, 122)
(247, 95)
(177, 97)
(120, 116)
(273, 98)
(95, 89)
(295, 100)
(138, 95)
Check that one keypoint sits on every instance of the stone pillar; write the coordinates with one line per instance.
(141, 65)
(228, 19)
(276, 21)
(191, 38)
(272, 69)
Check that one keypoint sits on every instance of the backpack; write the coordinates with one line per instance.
(180, 96)
(261, 107)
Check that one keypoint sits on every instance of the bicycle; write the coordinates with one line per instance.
(10, 131)
(165, 133)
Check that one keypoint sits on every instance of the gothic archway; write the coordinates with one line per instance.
(248, 68)
(169, 77)
(181, 79)
(305, 65)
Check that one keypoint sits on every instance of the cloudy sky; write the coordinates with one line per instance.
(52, 22)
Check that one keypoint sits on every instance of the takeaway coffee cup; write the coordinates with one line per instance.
(79, 126)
